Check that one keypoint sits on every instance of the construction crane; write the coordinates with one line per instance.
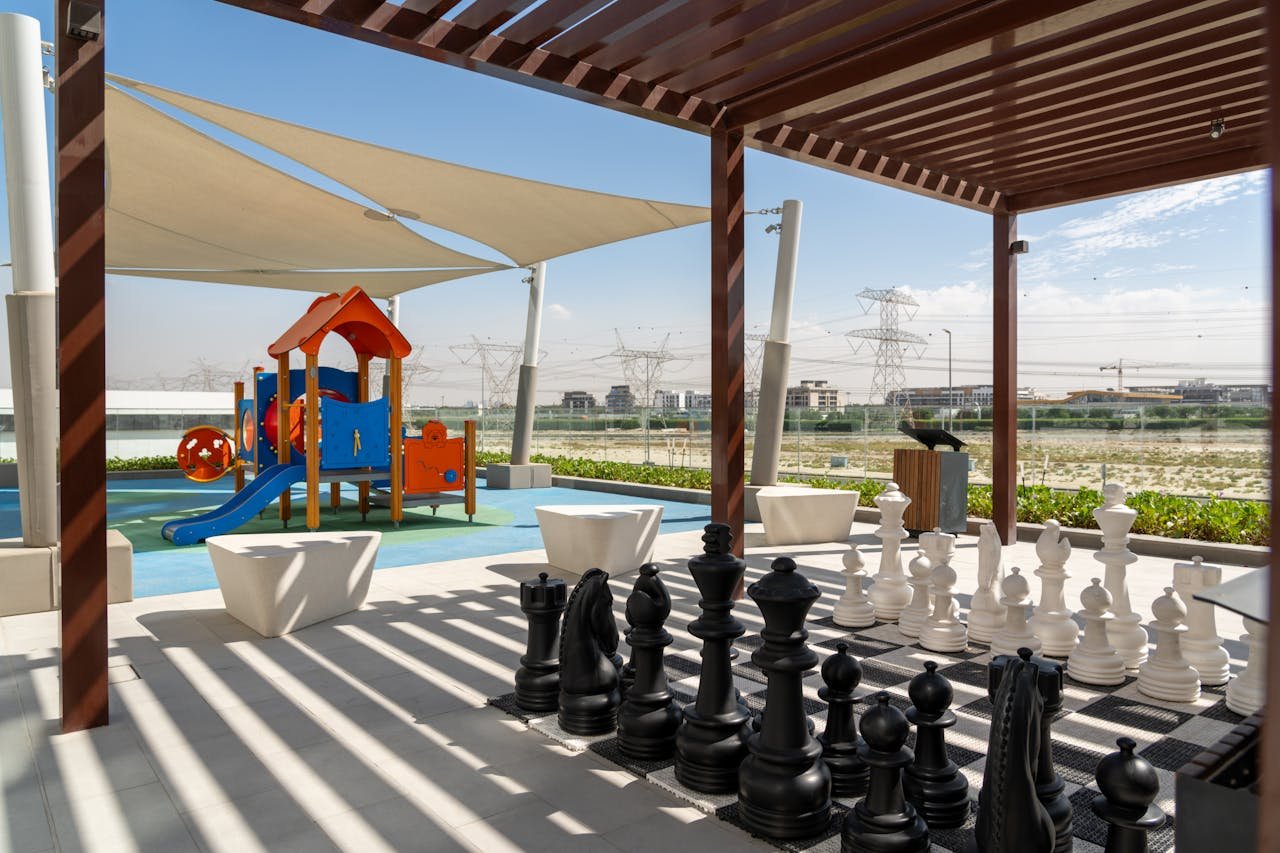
(1134, 364)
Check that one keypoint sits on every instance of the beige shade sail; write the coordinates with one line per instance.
(376, 283)
(526, 220)
(177, 199)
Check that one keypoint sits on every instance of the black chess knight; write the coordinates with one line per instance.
(648, 719)
(589, 696)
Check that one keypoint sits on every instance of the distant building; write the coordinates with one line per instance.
(620, 400)
(681, 401)
(959, 396)
(697, 401)
(578, 401)
(1083, 398)
(814, 394)
(1203, 391)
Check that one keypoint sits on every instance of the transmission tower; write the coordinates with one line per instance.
(499, 364)
(755, 364)
(888, 339)
(642, 368)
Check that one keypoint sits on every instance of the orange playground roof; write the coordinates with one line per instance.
(355, 317)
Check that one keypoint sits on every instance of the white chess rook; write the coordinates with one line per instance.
(854, 609)
(921, 571)
(889, 593)
(1052, 622)
(943, 631)
(1115, 519)
(1094, 660)
(1016, 633)
(1166, 674)
(1201, 645)
(1247, 691)
(986, 616)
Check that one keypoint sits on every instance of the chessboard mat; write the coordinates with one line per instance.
(1168, 734)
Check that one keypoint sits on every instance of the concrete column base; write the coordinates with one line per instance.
(504, 475)
(31, 577)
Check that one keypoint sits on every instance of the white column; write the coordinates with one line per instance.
(771, 409)
(527, 390)
(393, 310)
(31, 308)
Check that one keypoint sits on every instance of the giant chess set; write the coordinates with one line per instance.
(892, 724)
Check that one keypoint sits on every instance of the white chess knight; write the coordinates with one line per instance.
(889, 593)
(1094, 660)
(1115, 519)
(1166, 674)
(943, 631)
(1201, 645)
(1247, 691)
(986, 616)
(854, 609)
(1015, 634)
(921, 570)
(1052, 623)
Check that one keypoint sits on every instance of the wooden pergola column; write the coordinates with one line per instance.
(1004, 418)
(82, 373)
(728, 415)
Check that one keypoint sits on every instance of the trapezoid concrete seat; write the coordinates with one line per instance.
(805, 516)
(279, 582)
(617, 538)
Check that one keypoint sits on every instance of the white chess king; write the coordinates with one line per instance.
(1115, 519)
(889, 593)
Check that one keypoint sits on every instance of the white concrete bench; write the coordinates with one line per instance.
(31, 580)
(279, 582)
(804, 516)
(615, 537)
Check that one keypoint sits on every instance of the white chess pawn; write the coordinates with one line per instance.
(1015, 634)
(1201, 645)
(921, 570)
(889, 593)
(854, 609)
(1115, 519)
(1166, 674)
(943, 631)
(986, 616)
(1094, 660)
(1052, 622)
(1248, 690)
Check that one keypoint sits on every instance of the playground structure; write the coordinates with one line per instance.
(332, 433)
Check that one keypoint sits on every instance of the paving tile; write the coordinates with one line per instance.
(393, 824)
(90, 763)
(272, 820)
(141, 819)
(539, 827)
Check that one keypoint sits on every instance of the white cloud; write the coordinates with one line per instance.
(559, 312)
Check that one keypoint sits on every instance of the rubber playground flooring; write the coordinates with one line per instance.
(505, 521)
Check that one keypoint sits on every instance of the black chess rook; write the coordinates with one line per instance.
(589, 695)
(883, 821)
(1129, 786)
(648, 718)
(841, 674)
(933, 783)
(538, 678)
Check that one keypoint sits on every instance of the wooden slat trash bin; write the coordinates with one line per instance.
(936, 481)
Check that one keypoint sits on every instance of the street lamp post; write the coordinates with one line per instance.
(951, 417)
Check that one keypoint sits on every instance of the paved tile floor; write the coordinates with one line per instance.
(365, 733)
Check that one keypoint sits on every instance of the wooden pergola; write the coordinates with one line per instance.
(1000, 106)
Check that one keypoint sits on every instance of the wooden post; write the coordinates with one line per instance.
(257, 444)
(397, 443)
(469, 468)
(362, 396)
(82, 417)
(312, 440)
(728, 415)
(284, 416)
(238, 432)
(1004, 416)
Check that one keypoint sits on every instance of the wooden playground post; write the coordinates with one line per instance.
(283, 412)
(313, 442)
(362, 396)
(397, 443)
(469, 468)
(257, 451)
(238, 432)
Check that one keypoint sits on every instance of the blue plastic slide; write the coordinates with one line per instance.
(256, 496)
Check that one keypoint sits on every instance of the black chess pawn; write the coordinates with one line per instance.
(842, 673)
(784, 787)
(648, 719)
(589, 696)
(1129, 787)
(933, 783)
(712, 739)
(883, 821)
(538, 678)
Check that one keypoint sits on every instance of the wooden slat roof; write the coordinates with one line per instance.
(991, 104)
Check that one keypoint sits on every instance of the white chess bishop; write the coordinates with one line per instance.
(1115, 519)
(854, 609)
(1247, 691)
(1201, 645)
(1015, 634)
(921, 570)
(1094, 660)
(943, 631)
(986, 616)
(889, 593)
(1052, 622)
(1166, 674)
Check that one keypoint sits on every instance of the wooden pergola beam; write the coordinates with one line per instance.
(1004, 421)
(728, 328)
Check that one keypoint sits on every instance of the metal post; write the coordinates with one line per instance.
(951, 388)
(527, 390)
(31, 308)
(1004, 418)
(771, 406)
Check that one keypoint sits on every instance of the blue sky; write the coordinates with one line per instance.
(1173, 277)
